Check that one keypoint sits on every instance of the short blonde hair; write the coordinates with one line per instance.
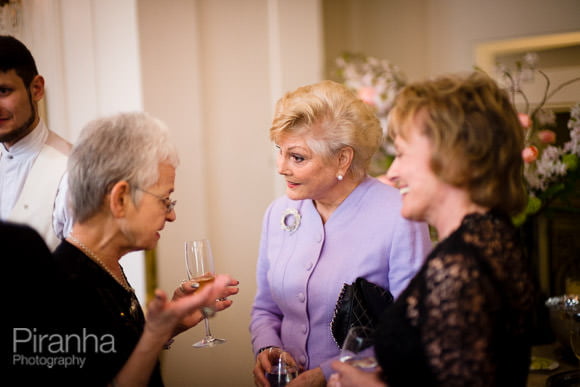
(335, 117)
(476, 136)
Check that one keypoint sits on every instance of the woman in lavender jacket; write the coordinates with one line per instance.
(334, 224)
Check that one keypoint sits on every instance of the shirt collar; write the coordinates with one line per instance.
(30, 144)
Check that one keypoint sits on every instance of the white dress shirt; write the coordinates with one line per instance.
(31, 173)
(15, 163)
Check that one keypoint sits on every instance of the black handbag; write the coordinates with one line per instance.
(359, 304)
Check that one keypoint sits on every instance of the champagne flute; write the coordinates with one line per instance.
(357, 348)
(200, 268)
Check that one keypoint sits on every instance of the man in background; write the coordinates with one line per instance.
(32, 158)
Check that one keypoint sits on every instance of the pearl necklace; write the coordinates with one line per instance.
(124, 283)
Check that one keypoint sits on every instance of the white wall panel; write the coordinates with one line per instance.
(87, 50)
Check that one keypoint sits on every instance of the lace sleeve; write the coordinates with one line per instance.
(458, 320)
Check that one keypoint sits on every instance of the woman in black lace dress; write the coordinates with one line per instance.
(463, 320)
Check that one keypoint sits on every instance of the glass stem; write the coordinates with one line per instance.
(208, 334)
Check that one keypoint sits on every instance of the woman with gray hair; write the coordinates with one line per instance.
(334, 224)
(121, 175)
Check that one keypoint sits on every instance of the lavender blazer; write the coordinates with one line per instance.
(300, 273)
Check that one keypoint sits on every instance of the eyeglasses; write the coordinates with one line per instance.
(167, 202)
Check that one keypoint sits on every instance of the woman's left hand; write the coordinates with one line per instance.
(349, 376)
(222, 302)
(189, 287)
(168, 318)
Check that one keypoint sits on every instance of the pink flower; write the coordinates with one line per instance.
(525, 120)
(367, 94)
(530, 154)
(547, 136)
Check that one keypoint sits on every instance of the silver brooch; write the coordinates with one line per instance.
(290, 220)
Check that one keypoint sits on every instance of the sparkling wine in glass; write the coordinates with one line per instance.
(282, 370)
(200, 268)
(357, 348)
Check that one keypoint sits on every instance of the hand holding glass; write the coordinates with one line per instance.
(357, 348)
(200, 268)
(282, 370)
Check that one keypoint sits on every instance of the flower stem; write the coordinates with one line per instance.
(560, 87)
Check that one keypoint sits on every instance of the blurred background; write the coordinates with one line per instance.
(213, 70)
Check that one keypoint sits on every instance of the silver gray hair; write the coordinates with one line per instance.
(122, 147)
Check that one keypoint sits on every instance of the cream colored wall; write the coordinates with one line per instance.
(77, 45)
(428, 37)
(210, 86)
(456, 26)
(88, 53)
(395, 30)
(212, 70)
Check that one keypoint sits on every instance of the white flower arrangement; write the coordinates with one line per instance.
(550, 170)
(377, 82)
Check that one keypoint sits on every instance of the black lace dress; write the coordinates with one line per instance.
(464, 319)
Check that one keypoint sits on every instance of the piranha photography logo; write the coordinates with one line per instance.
(34, 348)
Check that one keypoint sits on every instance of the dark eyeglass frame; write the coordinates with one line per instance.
(167, 202)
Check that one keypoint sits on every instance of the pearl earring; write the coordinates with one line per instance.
(339, 177)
